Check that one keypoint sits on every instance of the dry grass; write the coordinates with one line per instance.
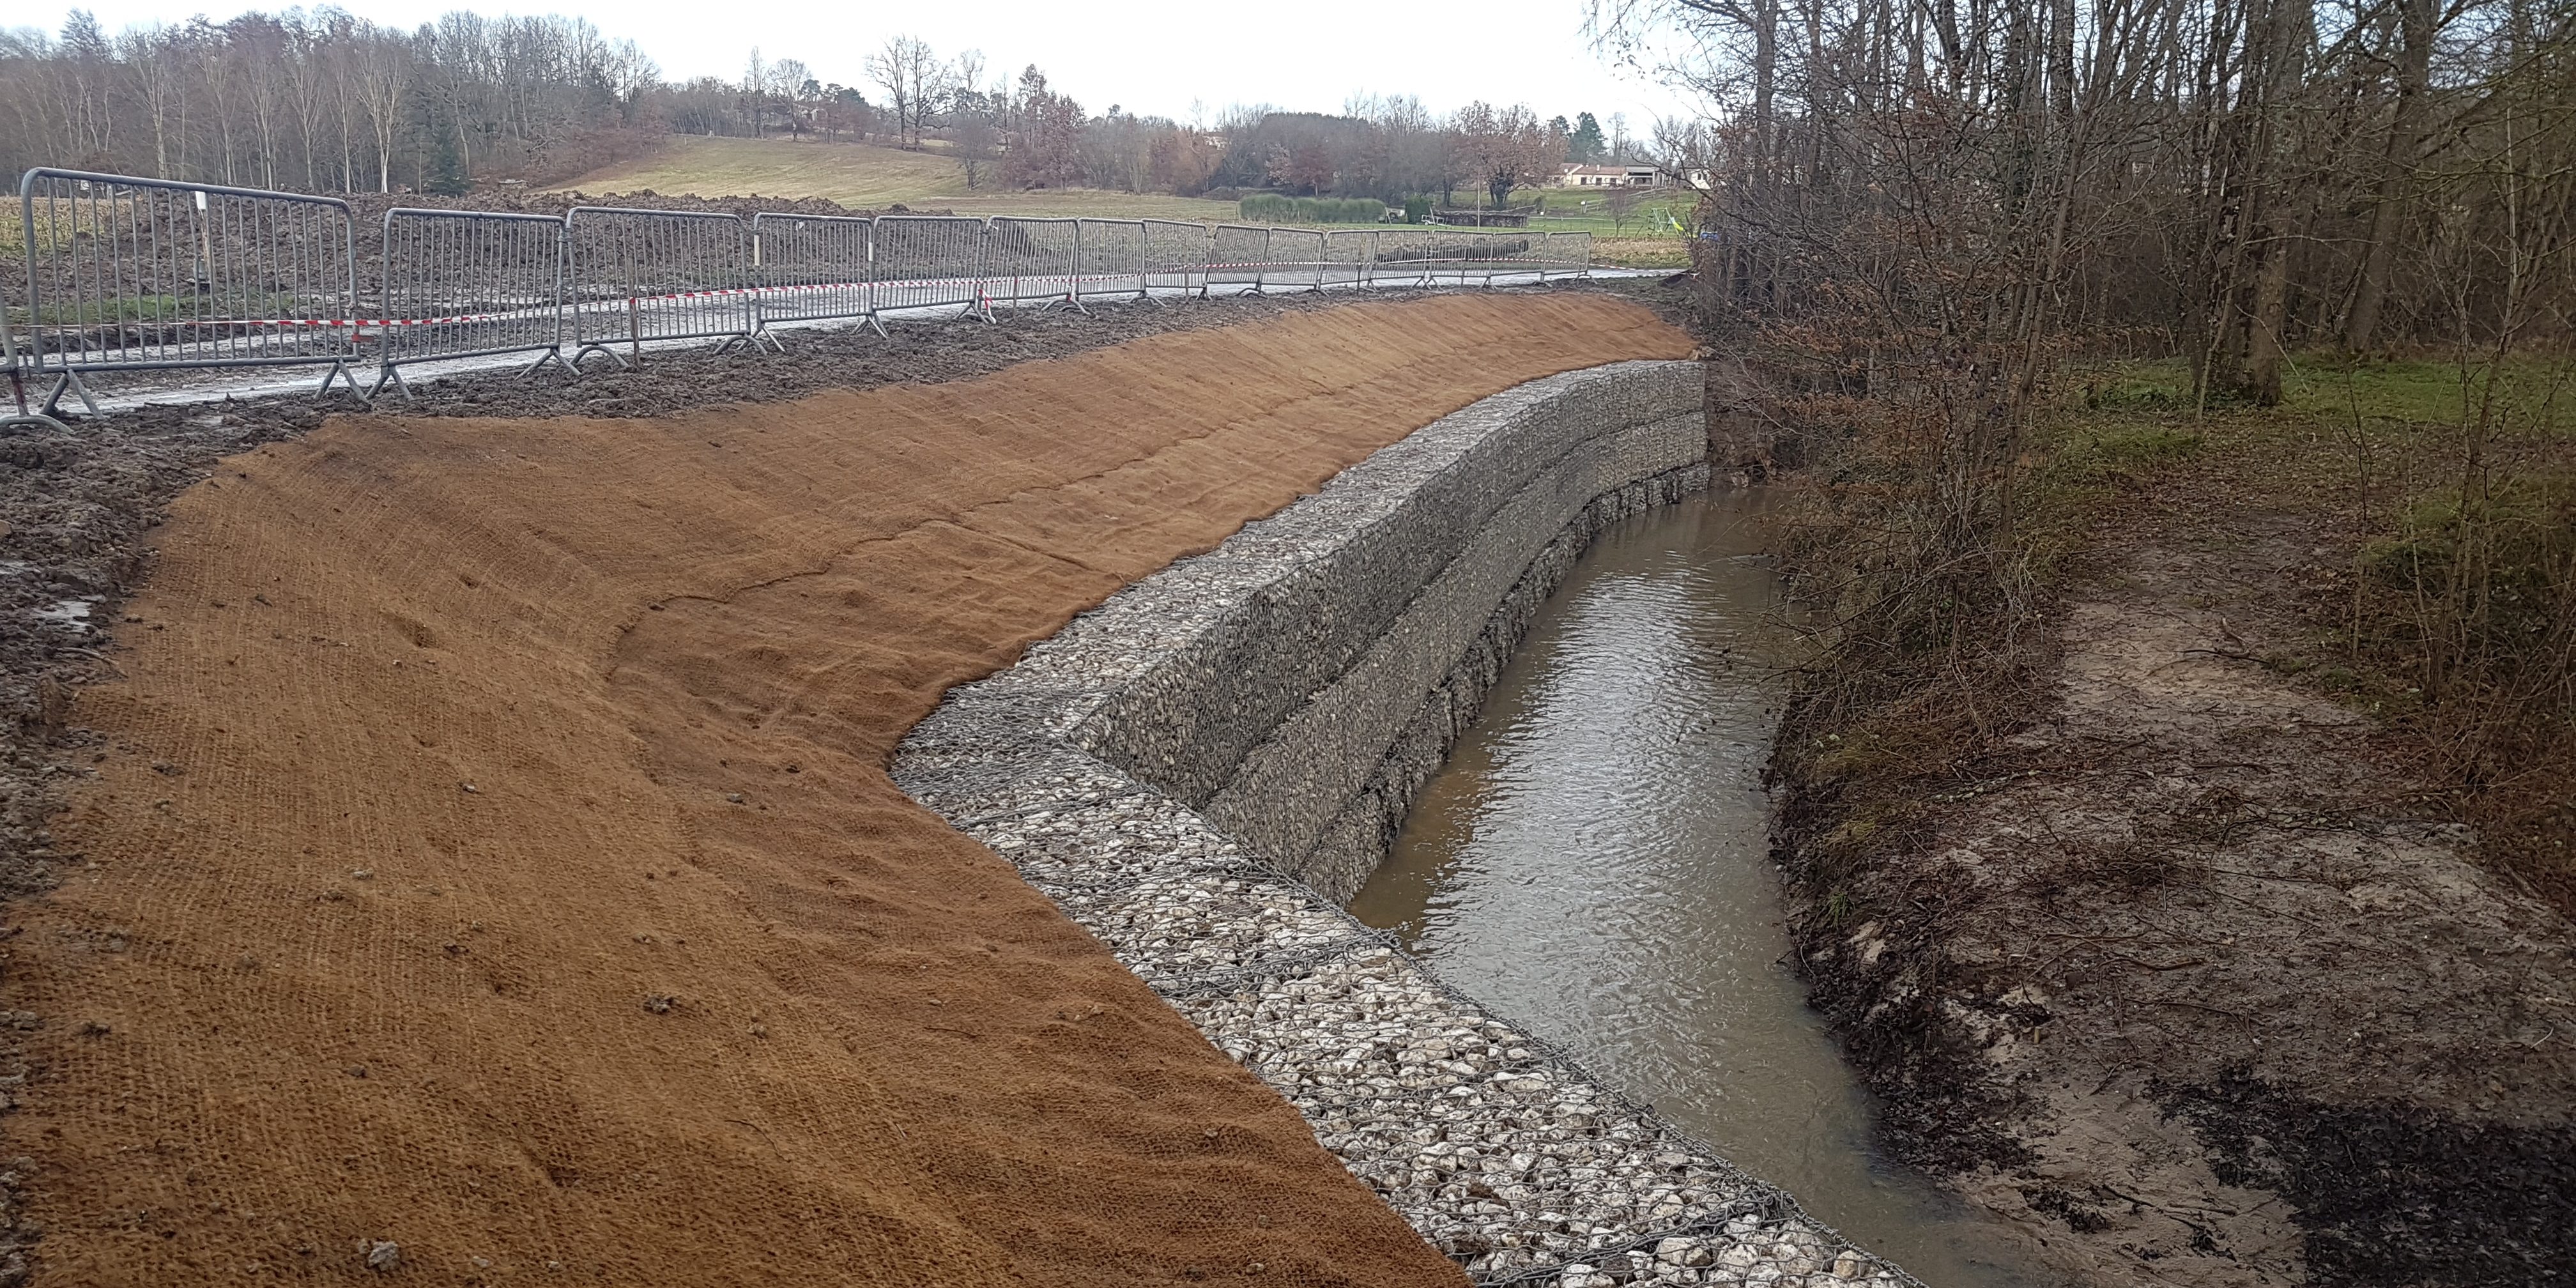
(865, 176)
(1641, 252)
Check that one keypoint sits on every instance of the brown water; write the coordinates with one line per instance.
(1592, 862)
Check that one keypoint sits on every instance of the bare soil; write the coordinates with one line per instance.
(479, 856)
(2191, 973)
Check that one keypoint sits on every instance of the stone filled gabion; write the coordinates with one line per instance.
(1301, 682)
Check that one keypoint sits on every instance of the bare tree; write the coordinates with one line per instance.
(1506, 148)
(381, 69)
(906, 69)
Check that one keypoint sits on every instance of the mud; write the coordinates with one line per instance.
(2191, 975)
(480, 843)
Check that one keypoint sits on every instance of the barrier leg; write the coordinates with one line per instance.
(71, 382)
(597, 347)
(25, 418)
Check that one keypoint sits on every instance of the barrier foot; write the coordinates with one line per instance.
(551, 355)
(574, 363)
(391, 375)
(23, 418)
(877, 324)
(71, 382)
(340, 371)
(776, 345)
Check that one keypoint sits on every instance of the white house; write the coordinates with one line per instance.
(1611, 176)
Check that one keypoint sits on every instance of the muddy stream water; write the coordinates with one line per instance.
(1592, 861)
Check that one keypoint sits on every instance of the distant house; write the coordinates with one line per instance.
(1611, 176)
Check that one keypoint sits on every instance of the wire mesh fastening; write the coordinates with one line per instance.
(1032, 261)
(1176, 256)
(1111, 258)
(1236, 254)
(639, 276)
(812, 268)
(127, 274)
(468, 284)
(928, 262)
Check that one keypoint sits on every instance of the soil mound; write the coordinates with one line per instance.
(494, 876)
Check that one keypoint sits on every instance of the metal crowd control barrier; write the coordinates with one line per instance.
(1176, 256)
(1452, 253)
(928, 262)
(469, 284)
(1348, 252)
(1236, 254)
(1571, 252)
(1510, 253)
(127, 274)
(1403, 257)
(813, 268)
(1296, 258)
(1032, 260)
(639, 276)
(1110, 258)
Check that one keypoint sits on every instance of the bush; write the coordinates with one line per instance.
(1417, 210)
(1270, 207)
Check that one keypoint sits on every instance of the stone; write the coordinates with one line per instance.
(1174, 770)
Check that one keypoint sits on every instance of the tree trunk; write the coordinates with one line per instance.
(2397, 172)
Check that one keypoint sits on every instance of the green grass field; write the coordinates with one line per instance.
(863, 175)
(870, 177)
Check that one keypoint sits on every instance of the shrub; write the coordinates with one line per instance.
(1270, 207)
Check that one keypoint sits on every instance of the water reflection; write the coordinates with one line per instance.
(1592, 862)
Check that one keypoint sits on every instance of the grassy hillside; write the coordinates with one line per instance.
(862, 175)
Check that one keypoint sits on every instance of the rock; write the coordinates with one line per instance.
(383, 1255)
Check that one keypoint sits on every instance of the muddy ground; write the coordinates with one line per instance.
(2190, 972)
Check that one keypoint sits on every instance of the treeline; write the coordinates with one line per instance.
(1981, 187)
(322, 100)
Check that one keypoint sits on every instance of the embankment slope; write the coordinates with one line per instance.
(495, 855)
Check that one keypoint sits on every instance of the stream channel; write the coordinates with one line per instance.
(1593, 862)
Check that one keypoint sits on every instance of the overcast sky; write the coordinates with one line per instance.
(1148, 56)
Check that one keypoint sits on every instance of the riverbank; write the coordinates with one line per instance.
(2163, 916)
(480, 860)
(1198, 772)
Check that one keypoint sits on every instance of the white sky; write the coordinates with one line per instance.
(1148, 56)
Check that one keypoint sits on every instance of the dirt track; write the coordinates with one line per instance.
(491, 852)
